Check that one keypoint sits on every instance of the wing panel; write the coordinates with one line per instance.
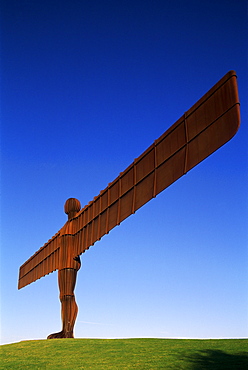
(127, 204)
(144, 191)
(212, 138)
(114, 191)
(145, 165)
(222, 97)
(103, 222)
(169, 144)
(44, 261)
(170, 170)
(113, 215)
(127, 180)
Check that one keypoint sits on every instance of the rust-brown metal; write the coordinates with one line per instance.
(204, 128)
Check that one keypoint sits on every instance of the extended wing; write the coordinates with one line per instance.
(44, 261)
(205, 127)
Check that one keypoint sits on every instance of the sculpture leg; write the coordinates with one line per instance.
(69, 309)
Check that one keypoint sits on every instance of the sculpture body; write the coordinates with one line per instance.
(67, 276)
(205, 127)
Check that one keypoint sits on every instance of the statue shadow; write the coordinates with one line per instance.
(218, 360)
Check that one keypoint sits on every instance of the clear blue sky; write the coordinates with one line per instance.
(87, 86)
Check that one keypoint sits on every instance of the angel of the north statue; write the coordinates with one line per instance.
(205, 127)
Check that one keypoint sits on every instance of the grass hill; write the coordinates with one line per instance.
(124, 354)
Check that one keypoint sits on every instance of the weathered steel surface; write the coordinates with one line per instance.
(67, 276)
(209, 124)
(205, 127)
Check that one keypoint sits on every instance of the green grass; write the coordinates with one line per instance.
(126, 354)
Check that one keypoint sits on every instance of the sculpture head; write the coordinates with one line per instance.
(72, 207)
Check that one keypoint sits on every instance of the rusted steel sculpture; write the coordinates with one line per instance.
(205, 127)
